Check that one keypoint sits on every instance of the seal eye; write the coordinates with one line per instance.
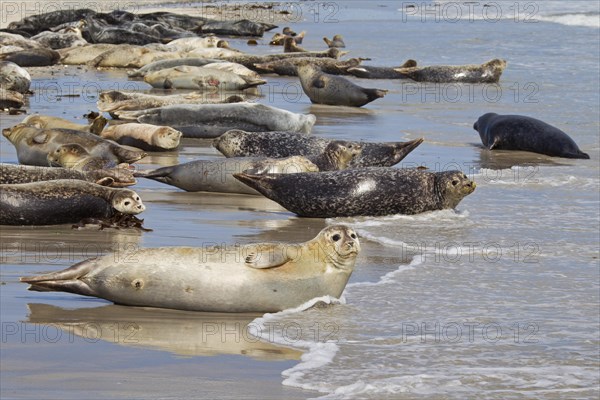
(336, 237)
(127, 203)
(353, 236)
(455, 182)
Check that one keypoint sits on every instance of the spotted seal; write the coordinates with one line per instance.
(262, 277)
(322, 88)
(10, 99)
(238, 143)
(13, 77)
(200, 78)
(32, 57)
(362, 192)
(75, 156)
(287, 67)
(115, 177)
(336, 41)
(50, 122)
(372, 72)
(33, 145)
(489, 72)
(63, 201)
(518, 132)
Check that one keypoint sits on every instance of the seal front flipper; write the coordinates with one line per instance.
(269, 255)
(67, 280)
(318, 83)
(496, 144)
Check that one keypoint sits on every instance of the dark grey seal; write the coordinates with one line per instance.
(238, 143)
(488, 72)
(518, 132)
(32, 57)
(322, 88)
(63, 201)
(362, 192)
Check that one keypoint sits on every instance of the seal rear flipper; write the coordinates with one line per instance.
(404, 149)
(98, 125)
(128, 156)
(409, 64)
(106, 181)
(72, 273)
(74, 286)
(252, 82)
(373, 94)
(160, 175)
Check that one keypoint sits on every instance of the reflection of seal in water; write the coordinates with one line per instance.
(322, 88)
(362, 192)
(143, 136)
(489, 72)
(518, 132)
(63, 202)
(33, 145)
(237, 143)
(263, 277)
(212, 120)
(217, 175)
(115, 177)
(13, 77)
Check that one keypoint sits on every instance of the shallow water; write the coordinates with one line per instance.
(498, 299)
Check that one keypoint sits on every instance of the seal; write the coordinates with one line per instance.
(249, 60)
(212, 120)
(83, 54)
(371, 72)
(202, 78)
(116, 35)
(362, 192)
(63, 201)
(489, 72)
(327, 65)
(115, 177)
(13, 77)
(238, 143)
(518, 132)
(17, 41)
(74, 156)
(130, 56)
(32, 57)
(262, 277)
(171, 63)
(235, 68)
(144, 136)
(279, 38)
(10, 99)
(217, 175)
(113, 100)
(60, 40)
(336, 41)
(322, 88)
(49, 122)
(290, 46)
(33, 145)
(337, 155)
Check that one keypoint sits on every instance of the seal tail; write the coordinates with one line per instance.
(373, 94)
(128, 156)
(159, 175)
(252, 82)
(404, 149)
(262, 183)
(67, 280)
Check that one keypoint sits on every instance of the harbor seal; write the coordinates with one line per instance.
(212, 120)
(336, 41)
(371, 72)
(171, 63)
(114, 177)
(290, 46)
(33, 145)
(489, 72)
(129, 56)
(71, 37)
(322, 88)
(49, 122)
(202, 78)
(287, 67)
(144, 136)
(238, 143)
(83, 54)
(112, 101)
(32, 57)
(518, 132)
(63, 201)
(11, 99)
(217, 175)
(262, 277)
(362, 192)
(74, 156)
(13, 77)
